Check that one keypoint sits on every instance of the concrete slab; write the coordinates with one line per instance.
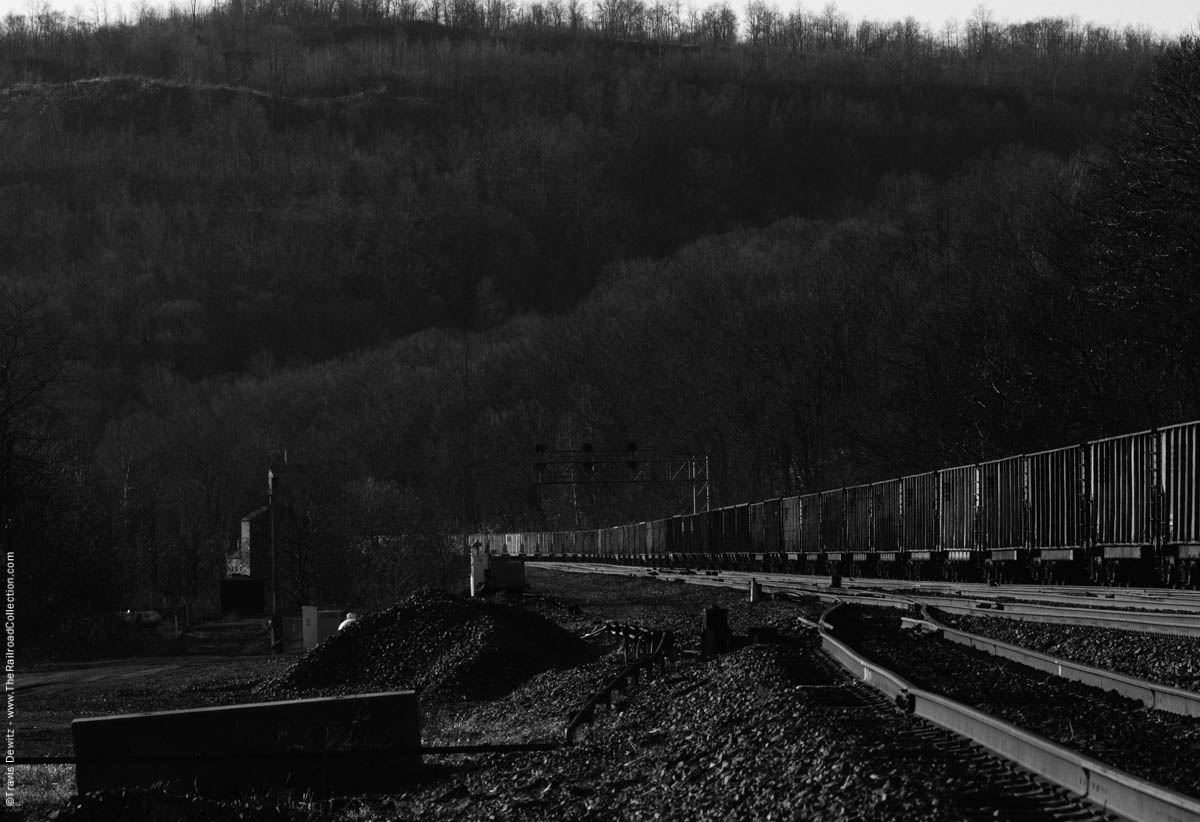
(238, 739)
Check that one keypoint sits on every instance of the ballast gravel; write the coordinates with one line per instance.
(743, 736)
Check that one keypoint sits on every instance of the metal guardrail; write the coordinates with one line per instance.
(649, 647)
(1111, 789)
(621, 682)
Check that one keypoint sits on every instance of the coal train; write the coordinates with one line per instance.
(1121, 510)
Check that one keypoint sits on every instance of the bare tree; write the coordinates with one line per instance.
(718, 24)
(762, 22)
(29, 366)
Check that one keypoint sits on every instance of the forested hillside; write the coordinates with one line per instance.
(404, 245)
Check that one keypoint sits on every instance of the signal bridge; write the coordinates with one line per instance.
(587, 466)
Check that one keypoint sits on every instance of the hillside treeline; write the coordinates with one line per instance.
(325, 46)
(810, 278)
(218, 230)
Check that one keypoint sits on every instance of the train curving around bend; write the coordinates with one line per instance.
(1119, 510)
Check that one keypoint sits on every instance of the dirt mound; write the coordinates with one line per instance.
(450, 647)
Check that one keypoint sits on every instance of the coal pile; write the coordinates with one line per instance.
(451, 648)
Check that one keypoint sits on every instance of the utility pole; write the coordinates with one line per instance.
(699, 484)
(470, 509)
(276, 621)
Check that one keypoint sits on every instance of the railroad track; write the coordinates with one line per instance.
(1045, 764)
(1091, 596)
(950, 598)
(1109, 785)
(1151, 694)
(994, 788)
(1155, 623)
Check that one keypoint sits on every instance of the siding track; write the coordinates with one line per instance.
(1051, 768)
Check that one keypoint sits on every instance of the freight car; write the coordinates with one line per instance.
(1119, 510)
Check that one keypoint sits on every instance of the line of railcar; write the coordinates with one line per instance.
(1123, 509)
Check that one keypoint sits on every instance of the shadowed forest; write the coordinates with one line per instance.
(404, 243)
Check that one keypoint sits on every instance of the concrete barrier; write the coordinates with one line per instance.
(217, 750)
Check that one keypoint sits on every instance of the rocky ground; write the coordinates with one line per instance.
(771, 731)
(1170, 660)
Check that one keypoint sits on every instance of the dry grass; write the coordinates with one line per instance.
(464, 726)
(44, 784)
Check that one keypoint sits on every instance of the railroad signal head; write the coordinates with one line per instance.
(632, 462)
(589, 464)
(540, 462)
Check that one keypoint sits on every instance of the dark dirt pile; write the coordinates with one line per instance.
(450, 647)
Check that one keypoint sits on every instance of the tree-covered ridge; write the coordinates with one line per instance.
(218, 229)
(816, 267)
(305, 47)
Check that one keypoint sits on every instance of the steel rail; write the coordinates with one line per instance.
(1100, 598)
(1151, 694)
(1178, 624)
(1147, 598)
(1112, 789)
(1181, 624)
